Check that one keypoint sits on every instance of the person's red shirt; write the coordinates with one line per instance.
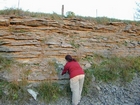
(73, 68)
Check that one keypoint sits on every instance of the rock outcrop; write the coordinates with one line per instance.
(31, 39)
(36, 40)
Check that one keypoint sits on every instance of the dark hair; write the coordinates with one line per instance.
(69, 58)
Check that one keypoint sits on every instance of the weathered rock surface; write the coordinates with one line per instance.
(31, 39)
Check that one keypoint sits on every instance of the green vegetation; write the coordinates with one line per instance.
(87, 82)
(5, 63)
(49, 91)
(112, 69)
(20, 12)
(106, 20)
(74, 45)
(70, 14)
(10, 91)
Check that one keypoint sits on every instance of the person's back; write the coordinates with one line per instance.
(73, 68)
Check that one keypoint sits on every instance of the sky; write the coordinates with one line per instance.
(118, 9)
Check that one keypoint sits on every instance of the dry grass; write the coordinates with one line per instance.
(57, 17)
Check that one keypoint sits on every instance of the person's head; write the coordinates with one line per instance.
(69, 58)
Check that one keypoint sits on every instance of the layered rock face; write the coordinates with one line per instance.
(36, 40)
(32, 39)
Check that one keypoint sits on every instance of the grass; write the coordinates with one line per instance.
(12, 92)
(49, 92)
(110, 70)
(55, 16)
(5, 63)
(115, 68)
(74, 45)
(87, 81)
(20, 12)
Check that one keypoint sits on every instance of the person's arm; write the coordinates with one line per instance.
(64, 70)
